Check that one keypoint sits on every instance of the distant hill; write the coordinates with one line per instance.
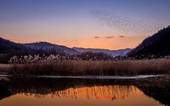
(9, 48)
(155, 45)
(94, 56)
(112, 53)
(51, 48)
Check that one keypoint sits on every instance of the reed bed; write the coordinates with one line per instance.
(74, 68)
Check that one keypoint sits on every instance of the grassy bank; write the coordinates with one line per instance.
(71, 67)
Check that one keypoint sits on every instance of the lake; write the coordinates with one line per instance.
(83, 92)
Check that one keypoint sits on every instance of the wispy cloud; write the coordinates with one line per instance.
(96, 37)
(124, 23)
(121, 36)
(1, 33)
(114, 20)
(109, 36)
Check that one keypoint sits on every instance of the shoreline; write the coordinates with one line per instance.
(90, 77)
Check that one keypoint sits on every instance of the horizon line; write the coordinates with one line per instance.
(43, 41)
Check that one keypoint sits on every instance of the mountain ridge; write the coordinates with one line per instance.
(119, 52)
(156, 45)
(12, 48)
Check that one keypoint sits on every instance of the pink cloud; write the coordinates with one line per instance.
(109, 37)
(121, 36)
(96, 37)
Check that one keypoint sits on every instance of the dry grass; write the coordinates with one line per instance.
(135, 67)
(4, 68)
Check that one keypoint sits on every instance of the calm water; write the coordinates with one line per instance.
(83, 92)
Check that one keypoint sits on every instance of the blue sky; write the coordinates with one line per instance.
(71, 22)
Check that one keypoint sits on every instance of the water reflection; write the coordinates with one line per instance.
(81, 89)
(98, 92)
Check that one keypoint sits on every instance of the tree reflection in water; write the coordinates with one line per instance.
(156, 88)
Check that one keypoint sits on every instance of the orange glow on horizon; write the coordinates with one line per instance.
(86, 42)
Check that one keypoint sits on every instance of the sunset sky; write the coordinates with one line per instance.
(109, 24)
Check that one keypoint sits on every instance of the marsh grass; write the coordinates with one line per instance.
(71, 67)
